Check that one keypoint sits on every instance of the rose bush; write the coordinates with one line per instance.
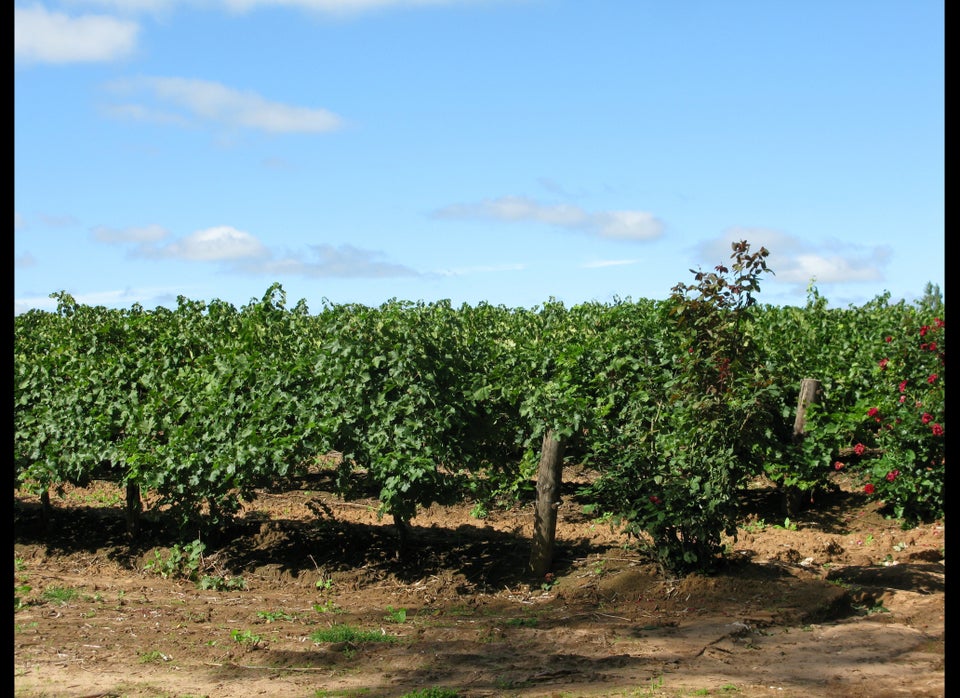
(907, 424)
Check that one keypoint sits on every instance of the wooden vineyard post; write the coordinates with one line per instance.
(133, 509)
(809, 395)
(549, 478)
(810, 391)
(46, 510)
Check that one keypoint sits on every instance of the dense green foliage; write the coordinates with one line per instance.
(677, 469)
(675, 404)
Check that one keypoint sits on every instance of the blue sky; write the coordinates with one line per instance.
(500, 151)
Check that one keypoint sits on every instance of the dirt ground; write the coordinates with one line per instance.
(839, 603)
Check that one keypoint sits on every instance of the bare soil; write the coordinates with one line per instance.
(840, 602)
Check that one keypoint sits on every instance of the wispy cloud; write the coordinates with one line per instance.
(44, 36)
(243, 253)
(329, 261)
(126, 297)
(213, 102)
(618, 225)
(139, 112)
(217, 244)
(798, 261)
(859, 266)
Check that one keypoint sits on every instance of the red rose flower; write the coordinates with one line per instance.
(937, 430)
(859, 449)
(868, 488)
(892, 475)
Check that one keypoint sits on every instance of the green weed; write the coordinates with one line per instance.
(19, 592)
(60, 595)
(327, 607)
(182, 562)
(222, 583)
(154, 656)
(656, 683)
(871, 610)
(788, 525)
(245, 637)
(272, 616)
(396, 615)
(347, 633)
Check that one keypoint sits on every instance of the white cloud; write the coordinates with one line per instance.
(217, 103)
(628, 225)
(343, 261)
(515, 208)
(621, 225)
(829, 269)
(138, 112)
(221, 243)
(123, 298)
(243, 253)
(27, 303)
(42, 36)
(799, 261)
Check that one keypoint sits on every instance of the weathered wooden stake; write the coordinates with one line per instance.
(134, 508)
(809, 395)
(549, 479)
(46, 511)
